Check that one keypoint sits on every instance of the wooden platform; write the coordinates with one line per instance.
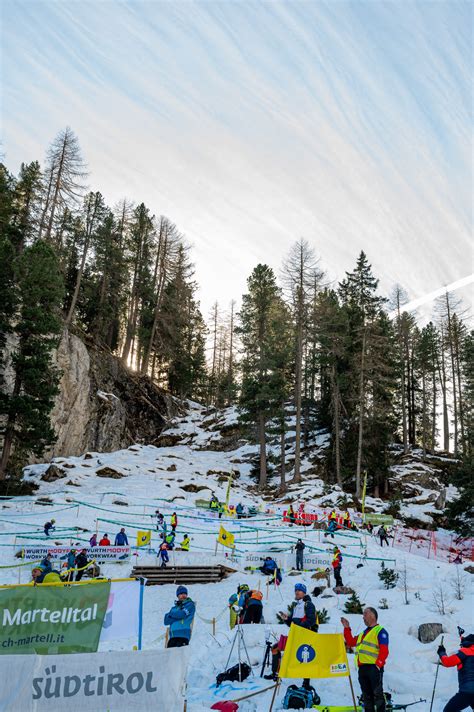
(157, 575)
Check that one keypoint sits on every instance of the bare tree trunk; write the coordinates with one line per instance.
(46, 205)
(442, 378)
(263, 451)
(298, 378)
(56, 190)
(9, 431)
(337, 432)
(282, 449)
(453, 373)
(424, 416)
(160, 269)
(460, 392)
(361, 413)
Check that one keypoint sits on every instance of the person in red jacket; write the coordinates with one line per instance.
(371, 653)
(105, 541)
(464, 661)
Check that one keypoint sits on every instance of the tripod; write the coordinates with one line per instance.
(239, 637)
(266, 657)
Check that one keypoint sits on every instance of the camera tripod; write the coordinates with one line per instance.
(266, 657)
(239, 637)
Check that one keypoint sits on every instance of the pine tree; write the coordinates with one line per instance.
(353, 604)
(40, 287)
(261, 390)
(389, 577)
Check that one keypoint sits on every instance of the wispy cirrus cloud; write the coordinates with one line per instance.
(251, 124)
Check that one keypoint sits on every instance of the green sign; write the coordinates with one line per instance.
(49, 620)
(379, 519)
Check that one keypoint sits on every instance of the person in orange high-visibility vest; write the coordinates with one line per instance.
(371, 653)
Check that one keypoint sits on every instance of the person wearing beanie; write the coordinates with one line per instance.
(464, 661)
(180, 619)
(303, 613)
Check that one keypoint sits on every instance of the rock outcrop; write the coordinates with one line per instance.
(102, 406)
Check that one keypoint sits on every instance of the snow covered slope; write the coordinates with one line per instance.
(142, 478)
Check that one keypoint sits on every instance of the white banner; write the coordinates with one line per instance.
(287, 561)
(94, 682)
(122, 617)
(59, 553)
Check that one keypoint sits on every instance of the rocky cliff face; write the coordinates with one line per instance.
(101, 405)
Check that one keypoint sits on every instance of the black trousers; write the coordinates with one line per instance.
(177, 642)
(299, 560)
(460, 701)
(337, 576)
(253, 614)
(371, 684)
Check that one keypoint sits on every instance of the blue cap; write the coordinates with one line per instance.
(300, 587)
(181, 589)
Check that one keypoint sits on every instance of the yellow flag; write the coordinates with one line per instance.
(226, 538)
(143, 538)
(309, 654)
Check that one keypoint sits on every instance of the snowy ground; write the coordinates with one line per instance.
(149, 483)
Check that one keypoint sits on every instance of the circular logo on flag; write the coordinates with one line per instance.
(305, 653)
(224, 536)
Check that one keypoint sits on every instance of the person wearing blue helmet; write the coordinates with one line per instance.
(180, 619)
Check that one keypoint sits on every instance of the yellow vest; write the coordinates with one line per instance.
(367, 650)
(185, 544)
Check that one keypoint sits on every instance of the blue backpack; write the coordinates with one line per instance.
(300, 698)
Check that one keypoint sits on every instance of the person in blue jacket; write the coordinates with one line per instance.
(46, 564)
(121, 538)
(269, 566)
(180, 618)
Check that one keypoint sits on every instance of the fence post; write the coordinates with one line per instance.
(213, 626)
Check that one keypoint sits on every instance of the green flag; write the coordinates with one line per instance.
(50, 620)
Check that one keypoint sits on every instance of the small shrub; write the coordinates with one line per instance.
(383, 604)
(353, 604)
(322, 616)
(388, 576)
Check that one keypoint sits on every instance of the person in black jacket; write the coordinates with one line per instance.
(81, 563)
(464, 661)
(299, 548)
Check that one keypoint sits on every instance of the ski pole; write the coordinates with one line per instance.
(436, 678)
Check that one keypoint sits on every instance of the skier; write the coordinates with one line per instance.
(299, 548)
(121, 538)
(303, 613)
(371, 653)
(49, 527)
(337, 565)
(180, 619)
(163, 554)
(383, 535)
(331, 528)
(464, 661)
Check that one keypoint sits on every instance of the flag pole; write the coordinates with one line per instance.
(352, 692)
(140, 613)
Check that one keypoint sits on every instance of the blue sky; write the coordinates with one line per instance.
(252, 124)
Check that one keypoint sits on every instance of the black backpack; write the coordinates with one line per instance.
(300, 698)
(236, 673)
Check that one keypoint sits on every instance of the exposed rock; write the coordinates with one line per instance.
(73, 484)
(69, 465)
(167, 440)
(172, 468)
(102, 406)
(343, 590)
(427, 632)
(109, 472)
(44, 500)
(440, 502)
(88, 456)
(469, 569)
(53, 473)
(193, 488)
(119, 501)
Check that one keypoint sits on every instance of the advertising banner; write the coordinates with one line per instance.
(379, 519)
(59, 553)
(52, 619)
(113, 681)
(287, 561)
(122, 617)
